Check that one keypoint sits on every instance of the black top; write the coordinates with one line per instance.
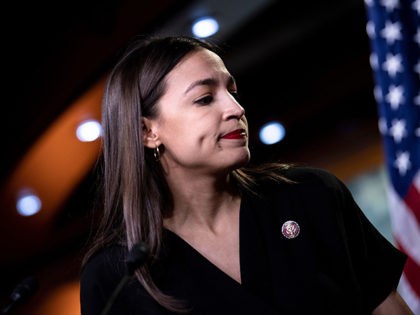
(338, 263)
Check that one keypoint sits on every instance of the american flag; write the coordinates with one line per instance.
(393, 27)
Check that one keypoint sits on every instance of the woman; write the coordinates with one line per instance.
(223, 238)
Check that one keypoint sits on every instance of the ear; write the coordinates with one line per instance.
(150, 138)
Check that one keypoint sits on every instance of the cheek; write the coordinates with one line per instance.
(168, 127)
(189, 130)
(177, 136)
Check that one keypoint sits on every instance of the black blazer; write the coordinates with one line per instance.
(337, 264)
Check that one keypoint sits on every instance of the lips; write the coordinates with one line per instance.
(236, 134)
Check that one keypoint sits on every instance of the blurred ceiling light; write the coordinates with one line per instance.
(89, 130)
(28, 204)
(205, 27)
(272, 132)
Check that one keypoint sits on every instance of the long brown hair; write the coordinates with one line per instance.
(136, 197)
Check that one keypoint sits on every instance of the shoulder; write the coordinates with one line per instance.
(99, 276)
(104, 268)
(313, 180)
(310, 174)
(312, 191)
(109, 257)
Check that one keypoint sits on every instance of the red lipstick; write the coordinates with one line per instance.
(236, 134)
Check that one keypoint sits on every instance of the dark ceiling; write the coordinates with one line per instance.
(304, 63)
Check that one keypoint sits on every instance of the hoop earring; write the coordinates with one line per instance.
(156, 153)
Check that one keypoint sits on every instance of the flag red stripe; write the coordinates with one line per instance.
(412, 272)
(412, 200)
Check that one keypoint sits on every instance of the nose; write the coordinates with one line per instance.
(233, 109)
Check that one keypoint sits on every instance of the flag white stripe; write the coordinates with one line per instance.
(412, 300)
(404, 225)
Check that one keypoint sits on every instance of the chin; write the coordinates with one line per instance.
(241, 160)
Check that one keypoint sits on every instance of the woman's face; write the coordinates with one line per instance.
(199, 122)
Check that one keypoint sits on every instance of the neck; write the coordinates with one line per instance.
(201, 201)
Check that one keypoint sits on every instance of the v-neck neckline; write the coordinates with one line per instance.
(255, 272)
(205, 260)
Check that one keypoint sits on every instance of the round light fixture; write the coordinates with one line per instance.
(272, 132)
(205, 27)
(28, 204)
(89, 130)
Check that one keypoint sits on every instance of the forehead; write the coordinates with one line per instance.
(197, 65)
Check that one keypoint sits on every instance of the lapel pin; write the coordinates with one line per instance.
(290, 229)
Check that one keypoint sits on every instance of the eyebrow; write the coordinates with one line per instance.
(209, 82)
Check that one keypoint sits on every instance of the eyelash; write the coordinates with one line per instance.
(206, 100)
(235, 95)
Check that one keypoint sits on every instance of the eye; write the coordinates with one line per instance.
(206, 100)
(234, 94)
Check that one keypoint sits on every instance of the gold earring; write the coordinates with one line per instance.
(156, 153)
